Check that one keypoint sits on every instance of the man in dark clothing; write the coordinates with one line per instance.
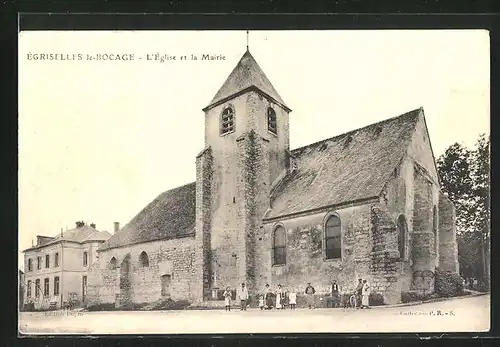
(310, 295)
(335, 294)
(359, 293)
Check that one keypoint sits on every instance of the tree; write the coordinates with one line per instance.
(465, 179)
(481, 195)
(455, 175)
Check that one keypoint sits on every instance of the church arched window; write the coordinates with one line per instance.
(112, 264)
(143, 260)
(402, 231)
(279, 246)
(227, 121)
(333, 238)
(272, 124)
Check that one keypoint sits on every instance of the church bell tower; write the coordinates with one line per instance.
(246, 150)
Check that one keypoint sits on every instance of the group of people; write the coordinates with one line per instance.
(278, 299)
(470, 282)
(358, 299)
(268, 299)
(281, 299)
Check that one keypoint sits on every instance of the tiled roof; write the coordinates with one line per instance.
(79, 234)
(98, 236)
(349, 167)
(246, 74)
(170, 215)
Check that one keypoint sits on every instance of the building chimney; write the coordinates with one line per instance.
(117, 226)
(92, 225)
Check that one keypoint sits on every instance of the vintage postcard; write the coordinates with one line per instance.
(211, 182)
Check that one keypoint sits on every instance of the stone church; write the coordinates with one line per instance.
(364, 204)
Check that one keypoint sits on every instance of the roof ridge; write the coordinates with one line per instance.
(407, 114)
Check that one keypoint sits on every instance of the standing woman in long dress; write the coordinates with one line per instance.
(279, 297)
(268, 297)
(365, 303)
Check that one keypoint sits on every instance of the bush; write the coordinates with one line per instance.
(29, 307)
(376, 299)
(448, 284)
(482, 287)
(170, 304)
(102, 307)
(407, 297)
(133, 306)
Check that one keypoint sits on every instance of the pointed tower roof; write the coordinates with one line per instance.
(245, 76)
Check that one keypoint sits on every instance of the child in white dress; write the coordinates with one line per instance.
(227, 298)
(292, 298)
(261, 302)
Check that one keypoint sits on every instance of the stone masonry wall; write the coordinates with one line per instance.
(204, 174)
(244, 164)
(305, 257)
(397, 201)
(386, 264)
(174, 257)
(254, 187)
(224, 198)
(420, 149)
(448, 248)
(423, 245)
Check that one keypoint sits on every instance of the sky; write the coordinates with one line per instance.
(99, 140)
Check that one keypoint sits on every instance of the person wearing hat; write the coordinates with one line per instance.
(359, 293)
(335, 294)
(310, 295)
(243, 294)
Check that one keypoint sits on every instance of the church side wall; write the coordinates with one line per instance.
(174, 257)
(306, 256)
